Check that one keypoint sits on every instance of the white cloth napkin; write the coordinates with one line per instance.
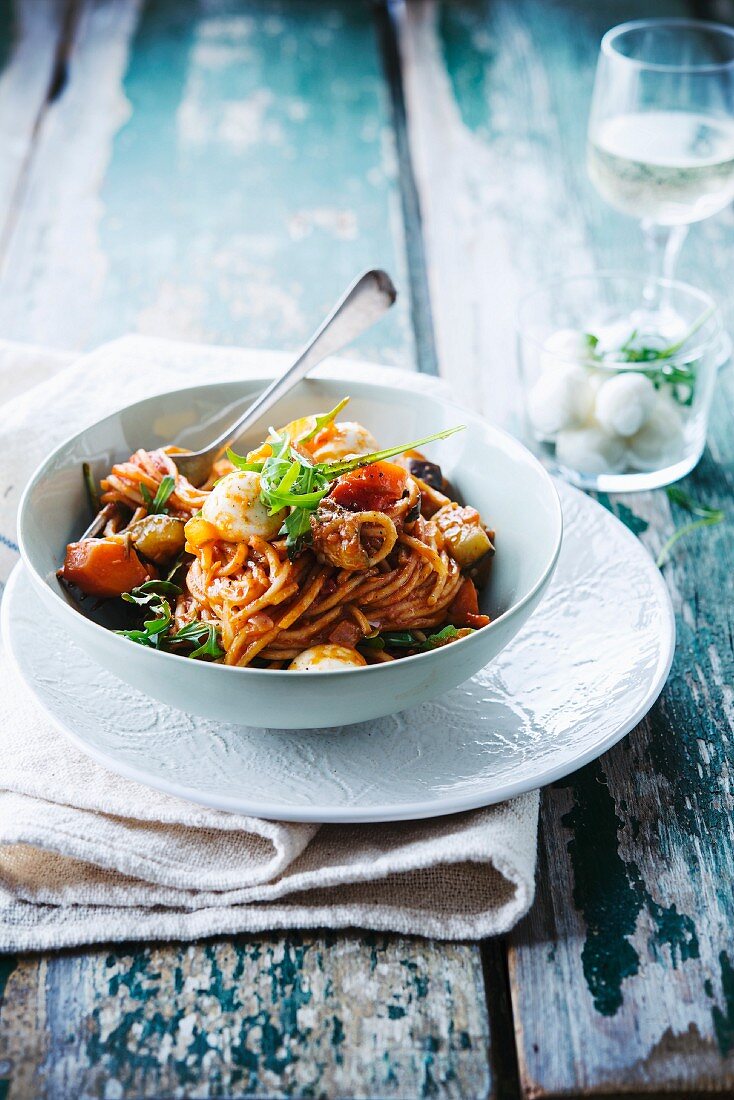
(87, 856)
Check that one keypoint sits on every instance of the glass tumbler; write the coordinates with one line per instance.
(611, 403)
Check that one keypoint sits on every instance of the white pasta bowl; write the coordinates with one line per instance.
(490, 470)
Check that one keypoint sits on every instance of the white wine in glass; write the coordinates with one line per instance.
(661, 130)
(669, 167)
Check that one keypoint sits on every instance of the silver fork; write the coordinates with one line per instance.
(363, 303)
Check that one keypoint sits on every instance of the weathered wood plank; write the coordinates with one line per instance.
(621, 976)
(287, 1016)
(30, 40)
(218, 170)
(223, 170)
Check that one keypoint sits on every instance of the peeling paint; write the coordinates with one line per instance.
(723, 1019)
(611, 894)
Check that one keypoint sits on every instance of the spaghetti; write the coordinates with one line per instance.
(315, 551)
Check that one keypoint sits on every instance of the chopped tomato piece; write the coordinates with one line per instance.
(370, 488)
(464, 611)
(103, 568)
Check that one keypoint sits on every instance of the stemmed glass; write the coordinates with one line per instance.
(661, 132)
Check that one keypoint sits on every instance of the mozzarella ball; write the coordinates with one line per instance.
(567, 345)
(234, 508)
(590, 451)
(660, 441)
(560, 399)
(326, 658)
(343, 440)
(624, 402)
(614, 336)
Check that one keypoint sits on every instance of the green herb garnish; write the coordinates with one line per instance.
(707, 517)
(206, 634)
(448, 634)
(154, 595)
(289, 480)
(406, 639)
(680, 377)
(324, 419)
(149, 591)
(157, 505)
(153, 629)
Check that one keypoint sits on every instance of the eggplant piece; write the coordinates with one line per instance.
(430, 472)
(159, 538)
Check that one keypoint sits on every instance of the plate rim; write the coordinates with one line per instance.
(319, 814)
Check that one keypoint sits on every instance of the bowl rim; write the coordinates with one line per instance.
(291, 674)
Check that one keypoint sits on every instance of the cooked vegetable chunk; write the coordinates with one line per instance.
(466, 539)
(158, 537)
(464, 611)
(104, 567)
(370, 488)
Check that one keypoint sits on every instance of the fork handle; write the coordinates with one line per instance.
(360, 306)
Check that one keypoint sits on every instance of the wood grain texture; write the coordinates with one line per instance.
(218, 170)
(213, 170)
(622, 975)
(30, 37)
(283, 1016)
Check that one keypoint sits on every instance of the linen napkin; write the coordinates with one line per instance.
(88, 856)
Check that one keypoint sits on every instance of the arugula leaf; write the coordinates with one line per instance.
(153, 629)
(433, 641)
(241, 463)
(206, 634)
(289, 480)
(391, 639)
(406, 639)
(157, 505)
(154, 633)
(399, 639)
(333, 470)
(166, 487)
(151, 590)
(323, 420)
(297, 529)
(680, 377)
(708, 517)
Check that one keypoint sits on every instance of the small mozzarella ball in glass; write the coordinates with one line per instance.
(660, 440)
(235, 509)
(566, 345)
(590, 451)
(560, 399)
(327, 658)
(342, 440)
(624, 402)
(613, 336)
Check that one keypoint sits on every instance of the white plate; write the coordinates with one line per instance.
(579, 676)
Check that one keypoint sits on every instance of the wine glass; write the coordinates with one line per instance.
(661, 133)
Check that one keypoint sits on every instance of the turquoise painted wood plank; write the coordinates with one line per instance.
(236, 169)
(311, 1015)
(621, 977)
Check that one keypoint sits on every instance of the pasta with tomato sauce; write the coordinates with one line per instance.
(315, 551)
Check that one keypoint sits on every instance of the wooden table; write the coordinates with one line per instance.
(217, 170)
